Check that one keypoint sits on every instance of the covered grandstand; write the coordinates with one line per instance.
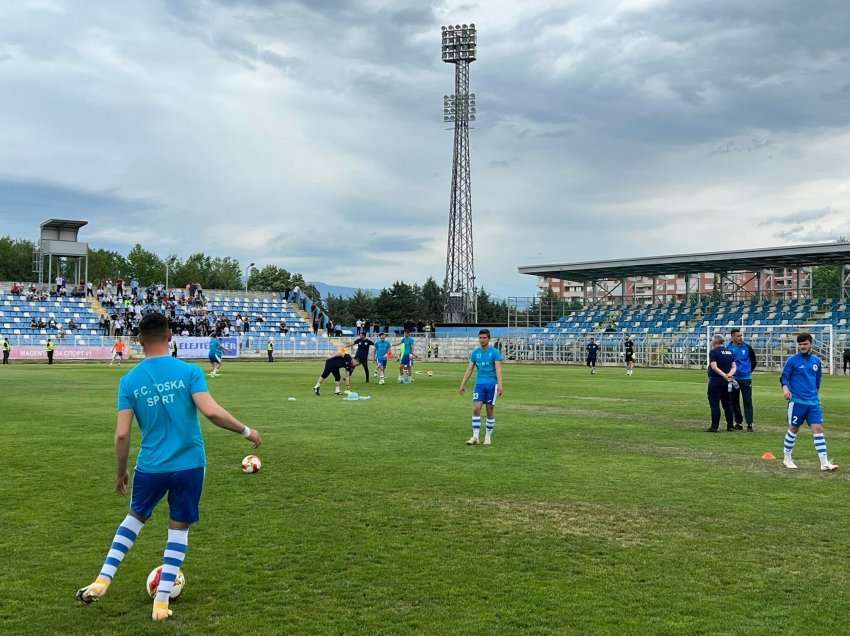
(670, 328)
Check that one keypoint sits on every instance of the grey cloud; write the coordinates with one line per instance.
(808, 234)
(801, 216)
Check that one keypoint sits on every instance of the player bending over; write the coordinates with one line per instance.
(629, 355)
(215, 356)
(164, 394)
(117, 352)
(382, 349)
(801, 379)
(338, 361)
(592, 352)
(488, 385)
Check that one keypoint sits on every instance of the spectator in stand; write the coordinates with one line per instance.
(42, 324)
(72, 325)
(119, 287)
(282, 326)
(246, 325)
(359, 326)
(315, 327)
(330, 327)
(33, 324)
(51, 324)
(134, 287)
(16, 289)
(104, 324)
(60, 282)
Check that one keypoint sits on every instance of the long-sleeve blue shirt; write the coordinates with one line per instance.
(802, 375)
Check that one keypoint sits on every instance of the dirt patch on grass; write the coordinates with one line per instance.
(625, 527)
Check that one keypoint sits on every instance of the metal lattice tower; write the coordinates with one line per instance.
(461, 298)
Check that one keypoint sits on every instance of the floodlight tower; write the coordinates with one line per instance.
(461, 299)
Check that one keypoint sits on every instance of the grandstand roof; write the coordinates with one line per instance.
(745, 260)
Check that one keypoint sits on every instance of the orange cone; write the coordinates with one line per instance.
(768, 456)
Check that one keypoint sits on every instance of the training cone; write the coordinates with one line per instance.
(768, 456)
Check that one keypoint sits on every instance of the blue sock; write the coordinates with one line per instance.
(172, 561)
(124, 539)
(491, 424)
(476, 425)
(790, 440)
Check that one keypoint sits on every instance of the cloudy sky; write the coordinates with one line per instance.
(308, 133)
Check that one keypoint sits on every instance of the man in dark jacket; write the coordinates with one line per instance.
(745, 364)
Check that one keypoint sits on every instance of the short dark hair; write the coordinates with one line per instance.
(484, 332)
(734, 330)
(154, 325)
(804, 337)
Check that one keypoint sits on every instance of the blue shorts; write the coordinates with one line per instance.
(184, 493)
(405, 360)
(484, 393)
(799, 414)
(215, 359)
(382, 362)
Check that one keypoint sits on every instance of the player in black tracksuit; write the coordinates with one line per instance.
(846, 359)
(629, 355)
(333, 365)
(362, 353)
(592, 352)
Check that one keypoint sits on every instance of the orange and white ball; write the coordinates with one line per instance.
(153, 582)
(251, 464)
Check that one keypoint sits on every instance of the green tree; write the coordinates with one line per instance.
(105, 264)
(223, 273)
(362, 305)
(432, 301)
(270, 278)
(15, 259)
(826, 281)
(145, 266)
(339, 310)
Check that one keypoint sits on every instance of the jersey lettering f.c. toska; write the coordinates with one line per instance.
(485, 362)
(159, 392)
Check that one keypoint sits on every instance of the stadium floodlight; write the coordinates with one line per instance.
(248, 275)
(460, 47)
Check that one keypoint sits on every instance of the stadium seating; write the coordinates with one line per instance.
(688, 321)
(16, 313)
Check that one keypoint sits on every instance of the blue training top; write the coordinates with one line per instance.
(802, 375)
(159, 392)
(382, 348)
(485, 362)
(215, 347)
(743, 364)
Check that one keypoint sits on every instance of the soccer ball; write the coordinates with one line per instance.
(251, 464)
(430, 374)
(153, 582)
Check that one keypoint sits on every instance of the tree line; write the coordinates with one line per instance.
(402, 301)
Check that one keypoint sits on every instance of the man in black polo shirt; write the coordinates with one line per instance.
(592, 351)
(721, 381)
(361, 354)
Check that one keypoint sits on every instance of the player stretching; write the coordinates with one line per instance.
(488, 385)
(592, 352)
(800, 381)
(333, 365)
(215, 355)
(164, 395)
(629, 351)
(117, 351)
(382, 349)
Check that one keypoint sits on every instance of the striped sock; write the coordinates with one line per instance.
(491, 424)
(172, 561)
(820, 446)
(790, 440)
(124, 539)
(476, 425)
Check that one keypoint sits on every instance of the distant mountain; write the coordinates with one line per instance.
(338, 290)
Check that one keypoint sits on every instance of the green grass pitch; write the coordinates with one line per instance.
(601, 508)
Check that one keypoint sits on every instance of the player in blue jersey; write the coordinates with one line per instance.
(488, 385)
(215, 355)
(164, 395)
(382, 349)
(406, 358)
(801, 379)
